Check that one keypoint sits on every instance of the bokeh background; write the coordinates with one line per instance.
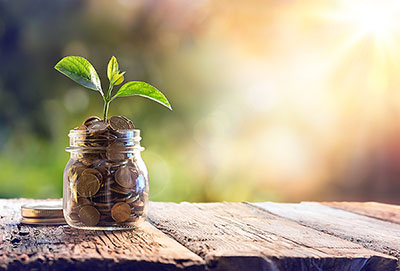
(273, 100)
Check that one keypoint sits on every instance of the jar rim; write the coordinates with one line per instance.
(129, 132)
(79, 141)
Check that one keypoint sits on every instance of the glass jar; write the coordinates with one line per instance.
(106, 183)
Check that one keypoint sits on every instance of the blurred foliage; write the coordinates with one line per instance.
(38, 105)
(282, 101)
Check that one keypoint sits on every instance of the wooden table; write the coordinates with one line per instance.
(214, 236)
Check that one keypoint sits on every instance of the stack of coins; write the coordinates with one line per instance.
(43, 213)
(103, 180)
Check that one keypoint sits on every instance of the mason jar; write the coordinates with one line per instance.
(105, 183)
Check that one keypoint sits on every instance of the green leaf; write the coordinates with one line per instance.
(81, 71)
(142, 89)
(117, 79)
(112, 68)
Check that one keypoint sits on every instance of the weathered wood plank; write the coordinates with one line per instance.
(24, 247)
(387, 212)
(236, 236)
(369, 232)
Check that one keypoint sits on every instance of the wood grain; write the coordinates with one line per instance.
(369, 232)
(236, 236)
(24, 247)
(387, 212)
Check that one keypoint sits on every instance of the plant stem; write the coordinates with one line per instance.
(105, 110)
(107, 101)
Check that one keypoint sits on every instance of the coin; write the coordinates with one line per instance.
(97, 126)
(89, 215)
(90, 120)
(120, 212)
(113, 166)
(94, 172)
(102, 193)
(115, 150)
(74, 217)
(138, 207)
(90, 159)
(105, 199)
(103, 171)
(83, 201)
(120, 190)
(76, 170)
(88, 185)
(100, 205)
(130, 123)
(126, 177)
(45, 209)
(118, 123)
(127, 198)
(81, 127)
(43, 221)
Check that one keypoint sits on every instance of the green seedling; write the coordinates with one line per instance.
(81, 71)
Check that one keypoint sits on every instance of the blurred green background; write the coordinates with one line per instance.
(272, 100)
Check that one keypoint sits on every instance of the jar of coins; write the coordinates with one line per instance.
(105, 181)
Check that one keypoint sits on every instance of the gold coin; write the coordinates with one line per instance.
(88, 185)
(97, 126)
(90, 120)
(120, 212)
(118, 123)
(114, 151)
(126, 177)
(89, 215)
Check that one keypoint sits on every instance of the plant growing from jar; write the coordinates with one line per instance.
(106, 181)
(81, 71)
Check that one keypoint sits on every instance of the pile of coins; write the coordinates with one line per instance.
(105, 183)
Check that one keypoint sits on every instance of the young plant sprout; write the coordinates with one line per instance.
(81, 71)
(106, 183)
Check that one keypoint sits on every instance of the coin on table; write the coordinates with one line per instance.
(97, 126)
(120, 212)
(126, 177)
(90, 120)
(88, 185)
(115, 151)
(89, 215)
(119, 123)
